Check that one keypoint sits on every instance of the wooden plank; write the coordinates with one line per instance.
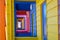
(39, 20)
(2, 20)
(52, 31)
(52, 20)
(39, 2)
(10, 18)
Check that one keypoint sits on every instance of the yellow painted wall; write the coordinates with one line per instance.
(52, 19)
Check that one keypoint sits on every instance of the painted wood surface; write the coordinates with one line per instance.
(52, 19)
(2, 20)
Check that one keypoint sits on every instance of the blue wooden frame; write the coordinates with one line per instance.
(44, 22)
(33, 31)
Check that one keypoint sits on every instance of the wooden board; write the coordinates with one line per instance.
(2, 20)
(52, 19)
(10, 20)
(39, 18)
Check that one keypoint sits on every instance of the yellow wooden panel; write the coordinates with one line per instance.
(52, 12)
(52, 4)
(39, 21)
(52, 31)
(53, 28)
(52, 36)
(9, 20)
(39, 2)
(48, 1)
(52, 20)
(26, 0)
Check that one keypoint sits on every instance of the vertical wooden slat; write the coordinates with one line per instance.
(2, 20)
(12, 20)
(8, 6)
(39, 18)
